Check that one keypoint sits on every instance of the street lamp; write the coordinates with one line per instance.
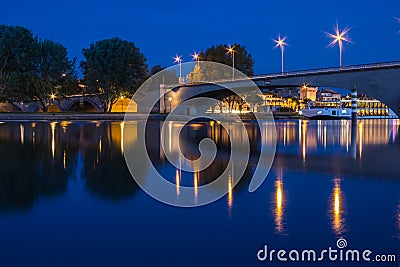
(232, 52)
(169, 100)
(52, 96)
(122, 101)
(281, 43)
(178, 59)
(196, 56)
(339, 37)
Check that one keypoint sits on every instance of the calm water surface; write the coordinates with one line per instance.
(67, 198)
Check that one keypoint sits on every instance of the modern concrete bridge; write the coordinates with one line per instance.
(379, 80)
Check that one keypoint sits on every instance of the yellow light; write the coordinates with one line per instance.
(339, 36)
(279, 197)
(231, 49)
(196, 56)
(337, 220)
(64, 74)
(195, 181)
(65, 159)
(122, 97)
(122, 124)
(279, 205)
(52, 96)
(177, 182)
(280, 42)
(178, 59)
(53, 142)
(22, 130)
(169, 99)
(230, 195)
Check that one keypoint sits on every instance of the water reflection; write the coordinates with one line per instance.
(21, 127)
(337, 209)
(230, 195)
(28, 171)
(53, 142)
(303, 146)
(279, 206)
(177, 182)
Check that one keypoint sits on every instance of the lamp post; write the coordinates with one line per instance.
(169, 100)
(178, 59)
(196, 57)
(232, 52)
(339, 37)
(281, 43)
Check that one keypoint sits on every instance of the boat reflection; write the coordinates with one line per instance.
(337, 209)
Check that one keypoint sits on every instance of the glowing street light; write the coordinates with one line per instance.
(178, 59)
(232, 51)
(196, 56)
(281, 43)
(339, 37)
(169, 100)
(52, 96)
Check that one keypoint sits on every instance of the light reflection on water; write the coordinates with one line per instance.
(338, 209)
(279, 206)
(313, 169)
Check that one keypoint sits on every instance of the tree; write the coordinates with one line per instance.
(16, 48)
(113, 67)
(53, 72)
(167, 77)
(244, 62)
(254, 100)
(33, 69)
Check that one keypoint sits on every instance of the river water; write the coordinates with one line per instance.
(67, 197)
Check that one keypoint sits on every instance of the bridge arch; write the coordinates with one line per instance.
(83, 104)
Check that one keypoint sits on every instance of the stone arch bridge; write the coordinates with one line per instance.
(90, 103)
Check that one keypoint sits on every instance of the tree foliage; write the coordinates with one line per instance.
(244, 62)
(254, 100)
(113, 67)
(32, 69)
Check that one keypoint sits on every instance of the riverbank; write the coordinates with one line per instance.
(111, 116)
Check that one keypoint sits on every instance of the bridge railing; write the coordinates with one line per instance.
(332, 70)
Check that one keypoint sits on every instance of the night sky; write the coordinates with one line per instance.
(162, 29)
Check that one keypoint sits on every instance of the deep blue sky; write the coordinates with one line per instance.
(162, 29)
